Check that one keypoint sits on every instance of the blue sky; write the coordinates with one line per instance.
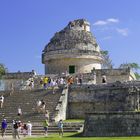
(26, 26)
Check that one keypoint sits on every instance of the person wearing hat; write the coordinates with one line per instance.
(3, 127)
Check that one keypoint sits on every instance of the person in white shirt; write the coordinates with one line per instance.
(1, 101)
(61, 81)
(19, 111)
(38, 106)
(29, 128)
(53, 86)
(47, 114)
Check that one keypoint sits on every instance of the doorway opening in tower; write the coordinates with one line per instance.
(71, 69)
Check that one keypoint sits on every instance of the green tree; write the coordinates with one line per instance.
(107, 62)
(3, 70)
(133, 66)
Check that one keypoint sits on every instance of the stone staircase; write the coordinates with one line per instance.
(37, 129)
(27, 99)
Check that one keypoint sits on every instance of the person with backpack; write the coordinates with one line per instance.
(16, 130)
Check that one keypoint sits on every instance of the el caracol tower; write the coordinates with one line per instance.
(74, 50)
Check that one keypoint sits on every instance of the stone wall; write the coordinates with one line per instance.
(7, 84)
(61, 108)
(82, 65)
(112, 75)
(112, 124)
(17, 79)
(18, 75)
(94, 98)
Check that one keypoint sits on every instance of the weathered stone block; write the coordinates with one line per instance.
(112, 124)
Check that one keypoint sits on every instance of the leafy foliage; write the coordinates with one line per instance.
(3, 70)
(137, 75)
(107, 62)
(134, 66)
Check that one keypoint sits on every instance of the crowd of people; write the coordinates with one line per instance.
(41, 106)
(25, 129)
(18, 128)
(45, 83)
(52, 82)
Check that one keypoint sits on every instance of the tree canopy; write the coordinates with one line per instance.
(3, 70)
(107, 62)
(134, 66)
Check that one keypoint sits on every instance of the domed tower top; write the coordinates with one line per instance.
(71, 45)
(79, 24)
(76, 35)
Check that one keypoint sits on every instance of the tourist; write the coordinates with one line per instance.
(61, 81)
(19, 126)
(29, 128)
(45, 82)
(49, 82)
(77, 80)
(94, 77)
(43, 106)
(3, 127)
(32, 83)
(104, 80)
(16, 130)
(13, 132)
(34, 73)
(81, 79)
(41, 83)
(24, 128)
(46, 125)
(19, 111)
(60, 128)
(12, 89)
(38, 106)
(53, 84)
(1, 101)
(70, 80)
(47, 114)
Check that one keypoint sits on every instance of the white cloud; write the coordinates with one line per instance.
(113, 20)
(100, 22)
(106, 37)
(106, 22)
(123, 31)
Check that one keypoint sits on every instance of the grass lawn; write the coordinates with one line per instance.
(71, 136)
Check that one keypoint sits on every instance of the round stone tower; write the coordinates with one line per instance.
(72, 50)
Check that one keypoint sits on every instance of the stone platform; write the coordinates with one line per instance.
(112, 124)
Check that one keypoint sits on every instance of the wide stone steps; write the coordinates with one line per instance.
(39, 130)
(27, 101)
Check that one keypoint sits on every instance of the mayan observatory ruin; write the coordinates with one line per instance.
(75, 86)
